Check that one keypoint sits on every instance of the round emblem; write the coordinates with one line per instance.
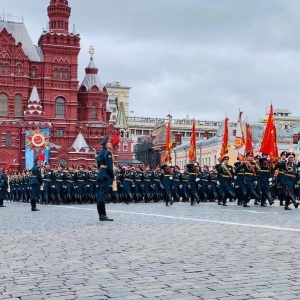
(238, 143)
(38, 140)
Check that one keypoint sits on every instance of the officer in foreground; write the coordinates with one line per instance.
(35, 183)
(105, 176)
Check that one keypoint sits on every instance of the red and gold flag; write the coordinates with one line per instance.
(168, 140)
(269, 141)
(225, 141)
(193, 145)
(249, 145)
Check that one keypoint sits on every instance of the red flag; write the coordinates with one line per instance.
(7, 168)
(116, 139)
(168, 140)
(269, 141)
(248, 146)
(225, 142)
(42, 156)
(193, 146)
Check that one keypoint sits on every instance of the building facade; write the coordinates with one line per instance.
(39, 89)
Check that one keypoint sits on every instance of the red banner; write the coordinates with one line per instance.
(225, 141)
(168, 141)
(193, 145)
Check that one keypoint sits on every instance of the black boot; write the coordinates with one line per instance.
(1, 203)
(102, 212)
(33, 206)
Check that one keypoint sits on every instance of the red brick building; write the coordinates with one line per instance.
(39, 88)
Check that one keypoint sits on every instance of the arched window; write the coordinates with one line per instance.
(8, 139)
(33, 72)
(55, 73)
(60, 108)
(18, 105)
(94, 113)
(3, 105)
(67, 74)
(18, 70)
(6, 69)
(60, 74)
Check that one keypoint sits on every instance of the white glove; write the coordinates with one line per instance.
(197, 179)
(232, 183)
(180, 186)
(235, 177)
(195, 164)
(296, 185)
(133, 185)
(169, 165)
(270, 179)
(218, 182)
(87, 185)
(171, 178)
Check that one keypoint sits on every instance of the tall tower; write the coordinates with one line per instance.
(59, 13)
(60, 50)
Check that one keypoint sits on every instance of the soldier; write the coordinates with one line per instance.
(168, 182)
(184, 185)
(249, 169)
(117, 195)
(105, 176)
(35, 183)
(289, 179)
(279, 178)
(138, 183)
(240, 187)
(193, 170)
(177, 183)
(226, 177)
(157, 183)
(59, 182)
(265, 177)
(213, 187)
(128, 182)
(48, 183)
(3, 185)
(148, 184)
(91, 183)
(205, 182)
(81, 184)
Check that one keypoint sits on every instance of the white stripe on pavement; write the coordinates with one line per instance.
(192, 219)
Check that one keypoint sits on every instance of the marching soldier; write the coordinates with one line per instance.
(48, 183)
(205, 182)
(184, 185)
(157, 183)
(249, 169)
(289, 179)
(91, 183)
(226, 177)
(265, 176)
(70, 179)
(193, 170)
(148, 184)
(138, 183)
(81, 184)
(176, 184)
(168, 182)
(58, 180)
(279, 178)
(128, 182)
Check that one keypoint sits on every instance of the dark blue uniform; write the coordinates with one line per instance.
(35, 183)
(3, 187)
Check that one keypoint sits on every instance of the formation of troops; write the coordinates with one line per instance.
(255, 178)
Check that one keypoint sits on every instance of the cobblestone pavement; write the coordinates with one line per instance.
(150, 251)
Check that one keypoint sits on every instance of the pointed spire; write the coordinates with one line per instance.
(80, 143)
(121, 117)
(34, 107)
(91, 78)
(74, 30)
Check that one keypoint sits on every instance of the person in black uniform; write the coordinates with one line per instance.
(105, 176)
(35, 183)
(3, 186)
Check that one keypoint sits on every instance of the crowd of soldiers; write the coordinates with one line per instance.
(255, 178)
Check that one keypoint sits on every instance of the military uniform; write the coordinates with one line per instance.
(148, 184)
(3, 187)
(70, 182)
(168, 183)
(59, 182)
(91, 185)
(193, 170)
(48, 177)
(81, 184)
(35, 183)
(105, 177)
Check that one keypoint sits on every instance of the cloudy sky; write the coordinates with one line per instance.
(201, 58)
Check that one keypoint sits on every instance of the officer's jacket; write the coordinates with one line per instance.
(193, 171)
(158, 175)
(128, 175)
(138, 177)
(148, 176)
(266, 168)
(225, 172)
(290, 171)
(105, 164)
(81, 177)
(70, 177)
(59, 177)
(48, 175)
(4, 180)
(92, 176)
(36, 176)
